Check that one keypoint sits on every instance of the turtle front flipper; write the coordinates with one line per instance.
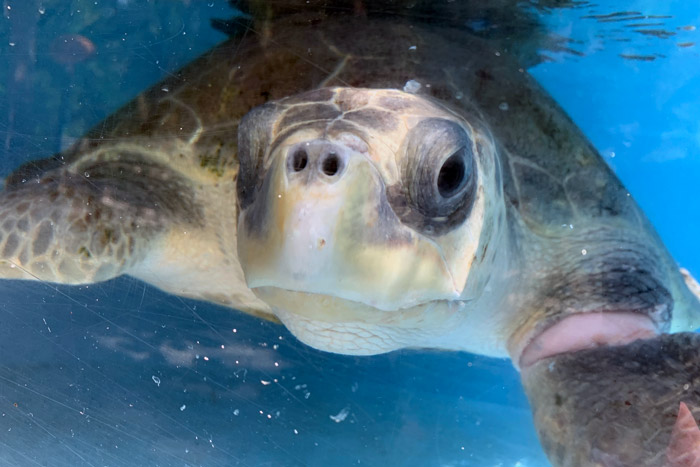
(618, 405)
(90, 220)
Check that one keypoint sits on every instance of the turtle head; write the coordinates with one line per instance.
(360, 208)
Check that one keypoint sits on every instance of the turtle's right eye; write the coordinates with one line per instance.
(253, 142)
(438, 176)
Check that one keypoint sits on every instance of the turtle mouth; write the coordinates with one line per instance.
(333, 324)
(582, 331)
(332, 308)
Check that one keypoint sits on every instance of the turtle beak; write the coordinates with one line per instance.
(321, 224)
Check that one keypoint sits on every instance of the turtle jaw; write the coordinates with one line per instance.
(337, 325)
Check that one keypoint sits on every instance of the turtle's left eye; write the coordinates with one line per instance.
(452, 175)
(438, 177)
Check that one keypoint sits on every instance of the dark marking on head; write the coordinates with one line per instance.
(395, 103)
(302, 113)
(254, 134)
(349, 99)
(373, 118)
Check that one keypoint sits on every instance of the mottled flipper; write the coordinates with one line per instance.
(616, 406)
(91, 220)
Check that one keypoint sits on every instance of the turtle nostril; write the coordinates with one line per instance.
(299, 160)
(331, 164)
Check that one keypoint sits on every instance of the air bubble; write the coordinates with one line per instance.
(412, 86)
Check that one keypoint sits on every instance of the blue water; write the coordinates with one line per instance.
(121, 374)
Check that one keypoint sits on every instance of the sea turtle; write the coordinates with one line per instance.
(377, 182)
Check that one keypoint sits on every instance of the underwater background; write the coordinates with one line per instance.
(121, 374)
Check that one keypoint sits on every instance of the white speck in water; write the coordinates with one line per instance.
(165, 89)
(236, 412)
(583, 252)
(264, 383)
(342, 415)
(296, 432)
(686, 386)
(411, 86)
(156, 380)
(12, 44)
(497, 54)
(503, 106)
(612, 154)
(183, 407)
(42, 9)
(459, 95)
(413, 47)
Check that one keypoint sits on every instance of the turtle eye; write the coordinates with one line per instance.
(438, 177)
(452, 175)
